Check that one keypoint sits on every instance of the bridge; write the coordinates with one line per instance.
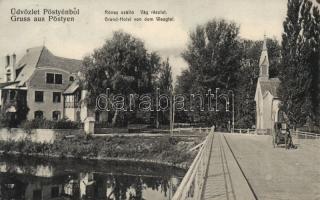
(236, 166)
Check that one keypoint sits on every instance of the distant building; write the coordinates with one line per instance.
(46, 84)
(266, 96)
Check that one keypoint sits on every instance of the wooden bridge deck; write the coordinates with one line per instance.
(248, 167)
(224, 178)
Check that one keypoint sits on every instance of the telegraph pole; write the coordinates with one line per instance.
(171, 115)
(232, 93)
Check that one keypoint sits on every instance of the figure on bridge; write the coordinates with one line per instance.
(282, 135)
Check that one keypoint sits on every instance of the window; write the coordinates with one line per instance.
(50, 78)
(58, 78)
(38, 96)
(56, 97)
(37, 194)
(56, 115)
(38, 114)
(69, 101)
(71, 78)
(12, 94)
(54, 192)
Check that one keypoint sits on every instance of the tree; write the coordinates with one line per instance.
(122, 64)
(165, 79)
(213, 59)
(165, 86)
(212, 54)
(299, 70)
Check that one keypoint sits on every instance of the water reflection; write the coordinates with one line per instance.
(34, 179)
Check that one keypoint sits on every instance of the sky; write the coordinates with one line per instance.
(169, 39)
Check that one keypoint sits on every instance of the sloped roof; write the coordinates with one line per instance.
(28, 64)
(41, 57)
(72, 88)
(2, 85)
(270, 85)
(48, 59)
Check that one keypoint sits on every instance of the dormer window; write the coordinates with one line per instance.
(58, 78)
(71, 78)
(52, 78)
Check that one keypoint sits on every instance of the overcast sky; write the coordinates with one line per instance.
(77, 39)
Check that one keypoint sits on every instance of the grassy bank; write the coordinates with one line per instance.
(165, 149)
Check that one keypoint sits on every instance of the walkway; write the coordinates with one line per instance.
(277, 173)
(248, 167)
(224, 179)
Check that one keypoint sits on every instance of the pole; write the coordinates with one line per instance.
(157, 106)
(232, 111)
(232, 108)
(173, 111)
(171, 121)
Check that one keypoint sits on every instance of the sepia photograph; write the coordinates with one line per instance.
(160, 100)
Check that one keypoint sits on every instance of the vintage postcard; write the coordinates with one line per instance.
(159, 99)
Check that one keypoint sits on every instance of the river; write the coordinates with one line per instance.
(29, 178)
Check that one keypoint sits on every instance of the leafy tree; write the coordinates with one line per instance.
(213, 59)
(183, 86)
(123, 65)
(165, 86)
(165, 79)
(299, 89)
(212, 54)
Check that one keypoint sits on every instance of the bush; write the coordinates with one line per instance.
(65, 124)
(7, 146)
(47, 124)
(103, 124)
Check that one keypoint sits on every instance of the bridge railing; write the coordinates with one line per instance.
(245, 131)
(305, 135)
(298, 134)
(192, 129)
(192, 183)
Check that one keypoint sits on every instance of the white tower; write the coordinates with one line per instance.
(264, 61)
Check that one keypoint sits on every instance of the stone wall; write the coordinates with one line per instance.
(37, 135)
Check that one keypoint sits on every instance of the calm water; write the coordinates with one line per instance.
(39, 179)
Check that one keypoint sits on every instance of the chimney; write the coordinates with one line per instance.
(14, 58)
(7, 60)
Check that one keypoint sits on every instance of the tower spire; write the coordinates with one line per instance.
(265, 42)
(264, 60)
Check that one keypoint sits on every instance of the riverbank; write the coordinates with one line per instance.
(160, 150)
